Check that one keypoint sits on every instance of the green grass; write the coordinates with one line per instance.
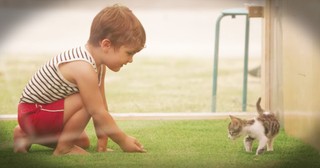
(158, 85)
(169, 144)
(149, 84)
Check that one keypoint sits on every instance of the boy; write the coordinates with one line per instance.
(66, 92)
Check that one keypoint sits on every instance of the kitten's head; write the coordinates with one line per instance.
(235, 127)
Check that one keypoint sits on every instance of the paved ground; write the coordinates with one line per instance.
(174, 28)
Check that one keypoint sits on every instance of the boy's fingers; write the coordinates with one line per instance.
(142, 150)
(140, 147)
(137, 143)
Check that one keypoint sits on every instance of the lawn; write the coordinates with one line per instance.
(158, 85)
(149, 84)
(168, 144)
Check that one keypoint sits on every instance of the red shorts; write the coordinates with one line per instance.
(41, 119)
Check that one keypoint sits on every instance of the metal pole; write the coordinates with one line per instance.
(215, 65)
(245, 71)
(232, 13)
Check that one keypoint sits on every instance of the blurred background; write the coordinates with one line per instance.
(172, 74)
(174, 28)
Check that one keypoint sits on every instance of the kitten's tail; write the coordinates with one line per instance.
(259, 109)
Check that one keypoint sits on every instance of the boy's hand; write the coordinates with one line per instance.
(131, 144)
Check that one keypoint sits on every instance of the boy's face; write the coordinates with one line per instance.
(120, 57)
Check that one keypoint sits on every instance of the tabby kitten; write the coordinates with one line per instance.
(264, 128)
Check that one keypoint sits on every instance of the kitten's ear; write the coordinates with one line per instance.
(233, 118)
(235, 121)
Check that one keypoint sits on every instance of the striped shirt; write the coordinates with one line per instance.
(48, 85)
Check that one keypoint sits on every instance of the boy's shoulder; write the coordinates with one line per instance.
(79, 53)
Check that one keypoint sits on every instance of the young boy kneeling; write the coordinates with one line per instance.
(62, 96)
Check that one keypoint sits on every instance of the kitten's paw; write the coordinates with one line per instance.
(260, 151)
(248, 149)
(270, 149)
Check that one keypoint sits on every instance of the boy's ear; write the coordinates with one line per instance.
(105, 43)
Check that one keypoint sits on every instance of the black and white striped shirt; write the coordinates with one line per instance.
(48, 85)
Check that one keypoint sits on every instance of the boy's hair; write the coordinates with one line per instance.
(119, 25)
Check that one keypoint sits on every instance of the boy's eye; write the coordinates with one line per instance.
(130, 53)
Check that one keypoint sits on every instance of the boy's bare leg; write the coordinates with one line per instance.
(21, 141)
(51, 142)
(70, 134)
(68, 139)
(75, 120)
(83, 141)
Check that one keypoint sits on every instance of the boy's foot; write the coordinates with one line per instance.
(101, 149)
(21, 146)
(21, 143)
(75, 150)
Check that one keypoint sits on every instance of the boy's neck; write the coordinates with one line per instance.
(94, 51)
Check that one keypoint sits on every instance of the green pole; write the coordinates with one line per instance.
(215, 65)
(245, 69)
(233, 13)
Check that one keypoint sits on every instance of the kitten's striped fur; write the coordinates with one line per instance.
(264, 128)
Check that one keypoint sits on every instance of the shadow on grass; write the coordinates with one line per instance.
(301, 156)
(10, 159)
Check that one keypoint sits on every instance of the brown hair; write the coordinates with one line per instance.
(119, 25)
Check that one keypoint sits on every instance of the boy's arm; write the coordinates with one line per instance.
(102, 90)
(102, 142)
(86, 79)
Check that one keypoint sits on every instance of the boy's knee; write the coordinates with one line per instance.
(17, 128)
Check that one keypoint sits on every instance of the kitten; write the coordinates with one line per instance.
(264, 128)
